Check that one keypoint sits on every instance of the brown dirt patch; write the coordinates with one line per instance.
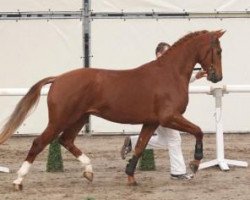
(110, 179)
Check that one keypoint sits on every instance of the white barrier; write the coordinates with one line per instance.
(217, 93)
(19, 91)
(4, 169)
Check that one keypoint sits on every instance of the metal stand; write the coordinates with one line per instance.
(4, 169)
(220, 160)
(86, 24)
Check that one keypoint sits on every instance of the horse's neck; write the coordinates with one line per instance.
(182, 60)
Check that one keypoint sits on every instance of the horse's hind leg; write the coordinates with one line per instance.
(67, 140)
(38, 145)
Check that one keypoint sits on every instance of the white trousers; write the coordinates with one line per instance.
(171, 139)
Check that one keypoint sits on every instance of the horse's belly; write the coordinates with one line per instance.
(125, 117)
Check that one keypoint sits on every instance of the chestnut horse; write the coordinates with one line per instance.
(153, 94)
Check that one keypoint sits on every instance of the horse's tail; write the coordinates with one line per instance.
(23, 108)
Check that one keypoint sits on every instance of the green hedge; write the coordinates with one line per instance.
(55, 162)
(147, 161)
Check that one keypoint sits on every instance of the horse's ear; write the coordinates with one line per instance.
(219, 33)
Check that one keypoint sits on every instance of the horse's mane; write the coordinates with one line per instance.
(185, 38)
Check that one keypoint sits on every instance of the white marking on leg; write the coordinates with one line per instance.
(89, 168)
(23, 171)
(84, 159)
(85, 162)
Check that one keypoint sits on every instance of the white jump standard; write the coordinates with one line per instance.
(220, 156)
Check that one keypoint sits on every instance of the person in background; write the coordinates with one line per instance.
(165, 137)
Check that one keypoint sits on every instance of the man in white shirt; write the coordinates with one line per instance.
(165, 137)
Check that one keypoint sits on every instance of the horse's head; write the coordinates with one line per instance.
(210, 56)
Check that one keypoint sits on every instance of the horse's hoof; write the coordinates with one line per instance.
(131, 181)
(18, 187)
(88, 175)
(194, 165)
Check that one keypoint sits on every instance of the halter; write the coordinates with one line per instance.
(213, 44)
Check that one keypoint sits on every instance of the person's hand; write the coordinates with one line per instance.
(201, 74)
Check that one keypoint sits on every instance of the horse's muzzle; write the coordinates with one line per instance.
(213, 77)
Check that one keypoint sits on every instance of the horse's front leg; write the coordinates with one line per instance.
(177, 121)
(146, 133)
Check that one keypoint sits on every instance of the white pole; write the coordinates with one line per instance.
(19, 91)
(236, 88)
(218, 93)
(44, 91)
(4, 169)
(199, 89)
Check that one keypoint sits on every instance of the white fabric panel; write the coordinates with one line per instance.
(169, 6)
(40, 5)
(32, 50)
(120, 44)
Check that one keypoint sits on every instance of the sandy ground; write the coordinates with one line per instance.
(110, 179)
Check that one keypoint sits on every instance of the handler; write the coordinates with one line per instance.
(165, 137)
